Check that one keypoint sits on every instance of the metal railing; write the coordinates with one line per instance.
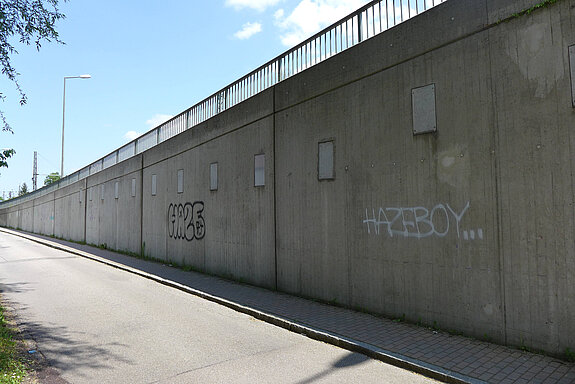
(366, 22)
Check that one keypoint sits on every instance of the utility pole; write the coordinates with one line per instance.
(35, 172)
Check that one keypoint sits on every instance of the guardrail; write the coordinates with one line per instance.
(366, 22)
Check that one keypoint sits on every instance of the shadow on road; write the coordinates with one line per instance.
(349, 360)
(60, 350)
(54, 348)
(14, 287)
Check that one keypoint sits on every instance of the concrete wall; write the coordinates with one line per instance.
(469, 228)
(533, 124)
(44, 215)
(384, 172)
(238, 240)
(70, 211)
(114, 206)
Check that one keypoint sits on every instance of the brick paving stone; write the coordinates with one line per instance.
(534, 369)
(508, 370)
(542, 376)
(518, 373)
(500, 366)
(450, 365)
(563, 369)
(549, 369)
(549, 380)
(470, 360)
(499, 377)
(460, 366)
(528, 375)
(475, 364)
(442, 360)
(485, 376)
(556, 376)
(515, 364)
(493, 371)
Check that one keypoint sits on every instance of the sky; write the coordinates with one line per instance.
(148, 61)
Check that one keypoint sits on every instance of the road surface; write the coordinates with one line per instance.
(97, 324)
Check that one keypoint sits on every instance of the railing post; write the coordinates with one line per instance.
(359, 27)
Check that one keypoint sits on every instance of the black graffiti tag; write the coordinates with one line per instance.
(186, 221)
(198, 223)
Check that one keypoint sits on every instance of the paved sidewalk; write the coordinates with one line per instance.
(436, 354)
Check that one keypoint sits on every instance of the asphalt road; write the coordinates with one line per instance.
(97, 324)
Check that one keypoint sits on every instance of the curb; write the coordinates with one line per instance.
(395, 359)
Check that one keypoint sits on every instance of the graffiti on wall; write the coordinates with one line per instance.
(186, 221)
(420, 222)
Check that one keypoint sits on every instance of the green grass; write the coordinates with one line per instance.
(569, 355)
(12, 367)
(528, 11)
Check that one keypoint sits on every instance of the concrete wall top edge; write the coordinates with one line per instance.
(126, 167)
(498, 10)
(440, 26)
(44, 198)
(447, 22)
(240, 115)
(70, 189)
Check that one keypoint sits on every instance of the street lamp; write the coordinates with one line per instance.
(64, 115)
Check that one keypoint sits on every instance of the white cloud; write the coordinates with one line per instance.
(157, 119)
(248, 30)
(131, 135)
(152, 122)
(311, 16)
(258, 5)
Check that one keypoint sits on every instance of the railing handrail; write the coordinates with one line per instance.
(244, 88)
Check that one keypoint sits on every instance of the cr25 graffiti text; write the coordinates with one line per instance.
(186, 221)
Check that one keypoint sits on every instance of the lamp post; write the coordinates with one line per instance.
(64, 115)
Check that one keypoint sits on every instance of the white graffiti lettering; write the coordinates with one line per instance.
(419, 222)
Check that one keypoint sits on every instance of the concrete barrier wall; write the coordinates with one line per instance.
(44, 213)
(533, 120)
(114, 206)
(228, 231)
(469, 228)
(70, 211)
(428, 226)
(26, 216)
(388, 233)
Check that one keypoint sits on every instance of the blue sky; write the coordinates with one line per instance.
(148, 60)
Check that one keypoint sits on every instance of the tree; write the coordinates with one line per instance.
(31, 22)
(4, 155)
(51, 178)
(23, 190)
